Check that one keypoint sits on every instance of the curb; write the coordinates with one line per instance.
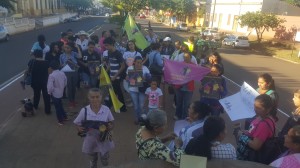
(274, 56)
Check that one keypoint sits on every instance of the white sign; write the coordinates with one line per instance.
(241, 104)
(297, 38)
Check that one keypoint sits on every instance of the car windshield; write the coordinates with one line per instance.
(242, 38)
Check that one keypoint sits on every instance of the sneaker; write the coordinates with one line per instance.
(175, 117)
(60, 123)
(129, 104)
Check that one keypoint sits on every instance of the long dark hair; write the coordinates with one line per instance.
(201, 109)
(212, 128)
(267, 103)
(268, 79)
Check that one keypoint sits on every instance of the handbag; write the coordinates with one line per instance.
(154, 68)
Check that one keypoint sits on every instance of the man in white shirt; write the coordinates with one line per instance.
(82, 41)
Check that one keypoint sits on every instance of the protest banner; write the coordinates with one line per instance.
(211, 87)
(241, 104)
(179, 73)
(135, 78)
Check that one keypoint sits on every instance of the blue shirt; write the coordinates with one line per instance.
(155, 56)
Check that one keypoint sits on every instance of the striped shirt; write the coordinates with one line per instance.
(115, 61)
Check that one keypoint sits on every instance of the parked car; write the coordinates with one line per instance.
(211, 33)
(4, 35)
(182, 27)
(142, 16)
(107, 15)
(236, 41)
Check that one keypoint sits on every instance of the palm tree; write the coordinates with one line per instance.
(8, 4)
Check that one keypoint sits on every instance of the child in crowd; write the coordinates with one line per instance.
(216, 71)
(94, 123)
(57, 81)
(154, 96)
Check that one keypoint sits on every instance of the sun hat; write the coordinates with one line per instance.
(167, 39)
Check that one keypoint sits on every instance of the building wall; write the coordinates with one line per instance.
(279, 7)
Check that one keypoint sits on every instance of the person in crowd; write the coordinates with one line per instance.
(89, 71)
(95, 39)
(57, 81)
(167, 48)
(180, 57)
(69, 57)
(94, 142)
(137, 96)
(215, 71)
(105, 34)
(82, 40)
(54, 53)
(266, 85)
(197, 114)
(131, 53)
(40, 45)
(184, 93)
(151, 37)
(177, 50)
(116, 66)
(64, 37)
(294, 119)
(39, 78)
(150, 146)
(129, 56)
(70, 32)
(155, 58)
(209, 144)
(290, 158)
(191, 45)
(214, 58)
(261, 128)
(154, 96)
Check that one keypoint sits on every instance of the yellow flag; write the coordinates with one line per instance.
(104, 78)
(190, 45)
(134, 33)
(105, 81)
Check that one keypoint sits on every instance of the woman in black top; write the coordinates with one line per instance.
(54, 53)
(39, 80)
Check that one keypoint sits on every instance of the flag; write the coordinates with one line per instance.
(105, 81)
(179, 73)
(134, 33)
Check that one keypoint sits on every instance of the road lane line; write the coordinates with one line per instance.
(11, 81)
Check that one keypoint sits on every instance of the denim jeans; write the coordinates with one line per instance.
(60, 112)
(183, 100)
(89, 80)
(72, 78)
(138, 99)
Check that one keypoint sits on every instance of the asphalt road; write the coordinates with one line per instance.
(15, 53)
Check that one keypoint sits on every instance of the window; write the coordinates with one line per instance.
(229, 18)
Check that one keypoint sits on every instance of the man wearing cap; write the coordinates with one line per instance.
(167, 48)
(82, 41)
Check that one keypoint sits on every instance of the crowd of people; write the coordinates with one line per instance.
(74, 61)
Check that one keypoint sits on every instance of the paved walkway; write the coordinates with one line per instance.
(38, 141)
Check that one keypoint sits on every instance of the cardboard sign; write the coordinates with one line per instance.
(211, 87)
(189, 161)
(135, 78)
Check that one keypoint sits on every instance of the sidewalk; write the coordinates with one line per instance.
(38, 141)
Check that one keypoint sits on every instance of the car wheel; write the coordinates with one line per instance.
(7, 38)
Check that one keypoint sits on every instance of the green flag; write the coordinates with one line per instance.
(134, 33)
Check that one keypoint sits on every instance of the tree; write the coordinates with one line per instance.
(294, 2)
(260, 22)
(77, 5)
(132, 6)
(8, 4)
(185, 8)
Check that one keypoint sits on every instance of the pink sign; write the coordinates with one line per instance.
(179, 73)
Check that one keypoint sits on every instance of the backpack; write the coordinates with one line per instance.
(154, 68)
(269, 151)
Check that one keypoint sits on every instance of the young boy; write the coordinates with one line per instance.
(154, 96)
(57, 81)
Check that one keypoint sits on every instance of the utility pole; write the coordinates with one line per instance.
(213, 16)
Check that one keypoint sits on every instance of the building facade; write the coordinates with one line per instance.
(223, 14)
(38, 7)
